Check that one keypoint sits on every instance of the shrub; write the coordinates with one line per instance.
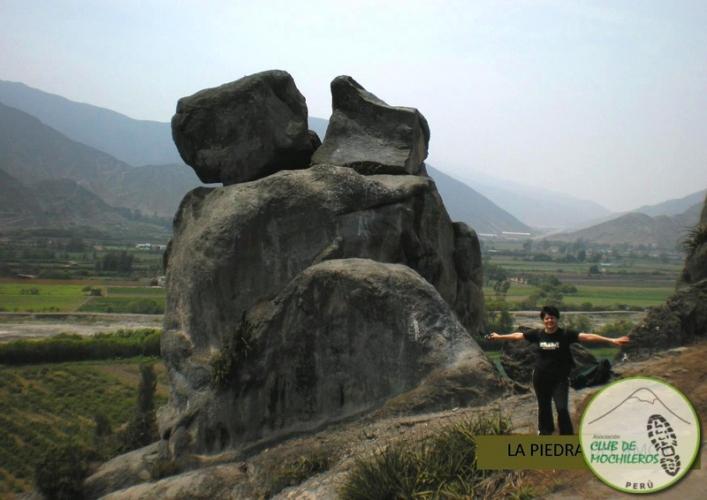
(294, 472)
(617, 328)
(236, 349)
(694, 238)
(578, 322)
(64, 347)
(59, 474)
(144, 306)
(443, 466)
(142, 428)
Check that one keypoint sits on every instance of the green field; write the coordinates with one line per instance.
(31, 296)
(139, 304)
(135, 291)
(643, 296)
(27, 296)
(41, 405)
(641, 268)
(599, 294)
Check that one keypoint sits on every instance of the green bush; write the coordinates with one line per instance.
(142, 428)
(694, 238)
(60, 472)
(144, 306)
(226, 363)
(578, 322)
(291, 473)
(443, 466)
(617, 328)
(65, 347)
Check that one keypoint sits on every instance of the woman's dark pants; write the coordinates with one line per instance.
(549, 387)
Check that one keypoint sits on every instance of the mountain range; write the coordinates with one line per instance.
(135, 142)
(32, 151)
(539, 208)
(134, 164)
(636, 228)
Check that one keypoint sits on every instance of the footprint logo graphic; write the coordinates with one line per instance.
(663, 438)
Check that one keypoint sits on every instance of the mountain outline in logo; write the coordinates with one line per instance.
(641, 435)
(645, 395)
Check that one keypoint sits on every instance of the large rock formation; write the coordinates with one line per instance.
(338, 340)
(683, 318)
(368, 135)
(680, 321)
(244, 130)
(307, 296)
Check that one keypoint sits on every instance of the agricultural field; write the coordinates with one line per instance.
(43, 404)
(78, 295)
(638, 267)
(26, 296)
(618, 284)
(599, 294)
(77, 259)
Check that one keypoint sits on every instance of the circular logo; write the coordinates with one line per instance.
(639, 435)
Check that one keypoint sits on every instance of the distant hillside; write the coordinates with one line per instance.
(635, 229)
(466, 205)
(31, 152)
(135, 142)
(63, 204)
(15, 197)
(539, 208)
(675, 206)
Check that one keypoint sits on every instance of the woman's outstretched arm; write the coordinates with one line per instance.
(593, 338)
(508, 336)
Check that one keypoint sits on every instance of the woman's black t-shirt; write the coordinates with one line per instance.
(553, 355)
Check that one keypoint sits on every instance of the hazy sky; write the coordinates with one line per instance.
(601, 100)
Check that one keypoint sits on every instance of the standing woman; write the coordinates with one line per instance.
(553, 365)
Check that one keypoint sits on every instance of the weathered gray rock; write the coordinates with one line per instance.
(339, 340)
(125, 470)
(304, 297)
(683, 318)
(225, 481)
(238, 245)
(244, 130)
(235, 248)
(469, 303)
(368, 135)
(680, 321)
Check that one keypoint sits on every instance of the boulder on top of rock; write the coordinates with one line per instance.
(244, 130)
(370, 136)
(341, 338)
